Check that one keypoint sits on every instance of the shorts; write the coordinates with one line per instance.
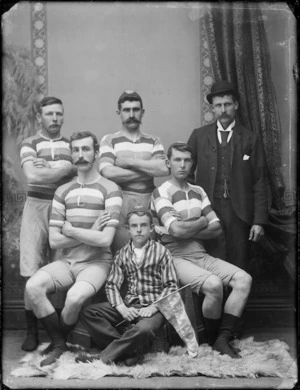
(35, 250)
(65, 273)
(130, 200)
(194, 265)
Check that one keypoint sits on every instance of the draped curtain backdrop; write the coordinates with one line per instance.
(240, 53)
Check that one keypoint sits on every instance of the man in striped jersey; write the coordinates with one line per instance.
(148, 269)
(46, 162)
(78, 227)
(132, 159)
(186, 219)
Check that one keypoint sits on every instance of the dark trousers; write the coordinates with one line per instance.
(100, 320)
(233, 244)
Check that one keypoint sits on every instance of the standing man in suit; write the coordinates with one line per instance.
(229, 165)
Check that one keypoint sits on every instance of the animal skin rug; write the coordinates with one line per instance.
(268, 358)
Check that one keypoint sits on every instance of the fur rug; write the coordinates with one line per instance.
(268, 358)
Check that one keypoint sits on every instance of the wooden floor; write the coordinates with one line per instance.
(12, 353)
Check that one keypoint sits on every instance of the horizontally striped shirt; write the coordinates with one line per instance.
(146, 147)
(81, 204)
(147, 280)
(190, 204)
(58, 154)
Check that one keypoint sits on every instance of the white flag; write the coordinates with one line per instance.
(172, 308)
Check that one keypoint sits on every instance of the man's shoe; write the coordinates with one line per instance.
(133, 360)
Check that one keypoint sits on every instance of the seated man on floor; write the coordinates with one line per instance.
(186, 218)
(79, 210)
(149, 273)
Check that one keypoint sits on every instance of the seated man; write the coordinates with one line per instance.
(77, 208)
(148, 270)
(187, 218)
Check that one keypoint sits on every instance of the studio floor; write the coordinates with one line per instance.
(12, 353)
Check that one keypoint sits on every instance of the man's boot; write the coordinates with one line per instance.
(32, 337)
(52, 327)
(225, 335)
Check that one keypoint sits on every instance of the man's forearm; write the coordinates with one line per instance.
(48, 175)
(59, 241)
(123, 175)
(187, 229)
(93, 237)
(213, 230)
(154, 167)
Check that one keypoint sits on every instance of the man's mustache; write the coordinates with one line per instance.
(81, 161)
(133, 120)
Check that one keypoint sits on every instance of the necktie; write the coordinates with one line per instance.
(224, 136)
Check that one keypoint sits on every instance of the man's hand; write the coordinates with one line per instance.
(175, 214)
(128, 313)
(67, 229)
(256, 232)
(148, 311)
(125, 163)
(41, 163)
(101, 221)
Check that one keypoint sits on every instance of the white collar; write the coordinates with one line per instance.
(229, 128)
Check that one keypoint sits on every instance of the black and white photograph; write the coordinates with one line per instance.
(149, 195)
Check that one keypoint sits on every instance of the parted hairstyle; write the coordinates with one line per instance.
(85, 134)
(181, 147)
(48, 101)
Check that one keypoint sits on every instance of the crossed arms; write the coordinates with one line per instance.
(135, 169)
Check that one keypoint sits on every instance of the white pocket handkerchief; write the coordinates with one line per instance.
(246, 157)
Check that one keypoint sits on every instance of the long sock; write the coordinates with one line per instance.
(32, 339)
(50, 347)
(65, 328)
(212, 326)
(221, 345)
(51, 325)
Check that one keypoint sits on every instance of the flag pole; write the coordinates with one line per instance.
(160, 299)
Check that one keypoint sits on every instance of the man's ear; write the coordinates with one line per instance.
(38, 117)
(168, 164)
(152, 227)
(118, 112)
(127, 227)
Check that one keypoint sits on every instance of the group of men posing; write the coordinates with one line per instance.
(91, 205)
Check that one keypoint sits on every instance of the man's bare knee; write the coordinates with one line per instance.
(212, 286)
(37, 287)
(241, 280)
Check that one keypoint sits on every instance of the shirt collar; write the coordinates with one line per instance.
(49, 139)
(132, 247)
(229, 128)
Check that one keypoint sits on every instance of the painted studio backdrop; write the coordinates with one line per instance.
(171, 53)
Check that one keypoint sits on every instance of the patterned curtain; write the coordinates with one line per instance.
(239, 53)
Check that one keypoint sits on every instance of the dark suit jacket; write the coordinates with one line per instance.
(248, 181)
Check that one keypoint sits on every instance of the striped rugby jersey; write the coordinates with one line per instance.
(146, 147)
(57, 152)
(81, 204)
(147, 281)
(190, 204)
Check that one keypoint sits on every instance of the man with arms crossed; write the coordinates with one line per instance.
(187, 218)
(46, 162)
(86, 256)
(131, 159)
